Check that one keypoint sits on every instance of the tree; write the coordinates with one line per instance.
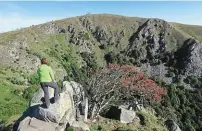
(110, 85)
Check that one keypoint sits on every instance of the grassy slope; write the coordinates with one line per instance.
(11, 105)
(193, 30)
(151, 122)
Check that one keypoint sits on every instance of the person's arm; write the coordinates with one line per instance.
(51, 74)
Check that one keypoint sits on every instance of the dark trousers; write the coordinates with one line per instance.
(44, 86)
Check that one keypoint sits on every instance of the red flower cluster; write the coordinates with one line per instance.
(138, 82)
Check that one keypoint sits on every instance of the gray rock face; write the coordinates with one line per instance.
(81, 125)
(149, 40)
(121, 114)
(76, 91)
(56, 111)
(158, 71)
(33, 124)
(57, 116)
(127, 116)
(172, 126)
(36, 99)
(190, 57)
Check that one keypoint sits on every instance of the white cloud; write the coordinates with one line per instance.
(13, 21)
(14, 17)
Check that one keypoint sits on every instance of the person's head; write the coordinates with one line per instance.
(44, 61)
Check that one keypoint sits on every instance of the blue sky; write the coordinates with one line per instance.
(15, 15)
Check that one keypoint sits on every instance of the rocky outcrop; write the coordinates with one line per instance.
(127, 116)
(56, 117)
(189, 57)
(1, 125)
(121, 114)
(101, 34)
(80, 125)
(157, 71)
(38, 97)
(33, 124)
(172, 126)
(149, 40)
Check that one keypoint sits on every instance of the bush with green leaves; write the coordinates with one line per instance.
(183, 105)
(86, 36)
(15, 80)
(171, 74)
(18, 92)
(97, 128)
(33, 79)
(89, 59)
(193, 80)
(29, 92)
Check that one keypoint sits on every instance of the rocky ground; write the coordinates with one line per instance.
(62, 116)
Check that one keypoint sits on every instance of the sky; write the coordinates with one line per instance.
(16, 15)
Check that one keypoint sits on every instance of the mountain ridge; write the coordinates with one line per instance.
(100, 30)
(164, 51)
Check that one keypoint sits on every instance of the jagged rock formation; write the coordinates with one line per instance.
(189, 58)
(152, 40)
(56, 117)
(172, 126)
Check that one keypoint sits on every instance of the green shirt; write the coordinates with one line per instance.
(45, 73)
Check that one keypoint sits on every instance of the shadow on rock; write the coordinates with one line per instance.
(28, 112)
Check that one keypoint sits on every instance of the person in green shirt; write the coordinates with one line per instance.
(46, 77)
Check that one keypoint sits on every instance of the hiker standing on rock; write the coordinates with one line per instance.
(47, 79)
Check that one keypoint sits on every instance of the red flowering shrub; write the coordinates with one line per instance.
(138, 83)
(109, 86)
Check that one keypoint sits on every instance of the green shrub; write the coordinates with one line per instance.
(15, 80)
(97, 128)
(37, 55)
(193, 80)
(89, 59)
(11, 104)
(171, 74)
(183, 105)
(2, 72)
(33, 79)
(18, 92)
(103, 46)
(29, 92)
(70, 129)
(86, 36)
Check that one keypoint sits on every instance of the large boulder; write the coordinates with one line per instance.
(73, 88)
(76, 90)
(38, 97)
(127, 116)
(81, 125)
(172, 126)
(33, 124)
(56, 111)
(121, 114)
(57, 117)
